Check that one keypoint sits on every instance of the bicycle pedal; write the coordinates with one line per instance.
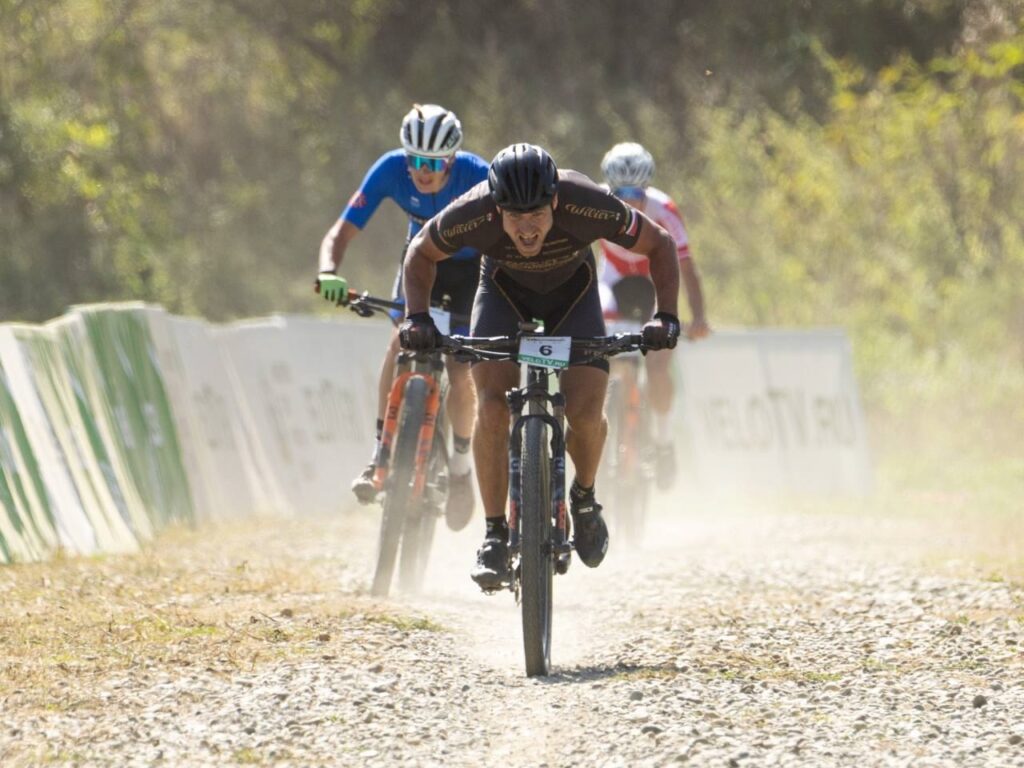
(562, 563)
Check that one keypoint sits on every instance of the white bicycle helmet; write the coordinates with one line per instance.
(431, 131)
(627, 165)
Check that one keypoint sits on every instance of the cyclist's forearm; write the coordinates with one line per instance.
(334, 244)
(694, 293)
(665, 275)
(418, 281)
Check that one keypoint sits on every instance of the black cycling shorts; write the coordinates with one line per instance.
(571, 309)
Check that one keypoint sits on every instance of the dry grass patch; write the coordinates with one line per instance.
(222, 600)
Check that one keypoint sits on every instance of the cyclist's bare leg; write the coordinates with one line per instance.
(387, 374)
(461, 398)
(659, 380)
(490, 435)
(584, 388)
(459, 506)
(363, 486)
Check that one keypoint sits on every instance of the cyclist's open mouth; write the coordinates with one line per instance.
(528, 244)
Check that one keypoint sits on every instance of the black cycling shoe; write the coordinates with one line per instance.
(665, 466)
(590, 533)
(492, 572)
(458, 509)
(363, 486)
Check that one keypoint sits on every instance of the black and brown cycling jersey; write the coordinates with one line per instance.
(584, 213)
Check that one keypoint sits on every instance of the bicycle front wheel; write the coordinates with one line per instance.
(421, 519)
(536, 558)
(398, 487)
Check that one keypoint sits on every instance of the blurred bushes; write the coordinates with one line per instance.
(898, 217)
(852, 163)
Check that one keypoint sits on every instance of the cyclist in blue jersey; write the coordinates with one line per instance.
(422, 177)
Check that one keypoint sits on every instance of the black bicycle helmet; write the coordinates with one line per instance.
(522, 177)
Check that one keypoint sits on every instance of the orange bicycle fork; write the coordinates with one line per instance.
(426, 438)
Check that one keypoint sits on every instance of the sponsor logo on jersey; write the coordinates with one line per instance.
(358, 200)
(414, 200)
(544, 265)
(589, 212)
(461, 229)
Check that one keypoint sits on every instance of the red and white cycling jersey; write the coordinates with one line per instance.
(619, 263)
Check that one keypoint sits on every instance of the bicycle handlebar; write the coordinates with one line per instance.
(365, 305)
(496, 348)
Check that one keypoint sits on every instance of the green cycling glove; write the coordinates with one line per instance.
(332, 287)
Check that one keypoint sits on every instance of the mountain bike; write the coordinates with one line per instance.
(539, 530)
(412, 465)
(628, 466)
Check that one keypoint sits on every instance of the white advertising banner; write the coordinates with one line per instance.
(773, 411)
(310, 397)
(223, 476)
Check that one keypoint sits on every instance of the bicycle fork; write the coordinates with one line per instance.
(517, 400)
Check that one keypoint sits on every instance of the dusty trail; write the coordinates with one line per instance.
(732, 639)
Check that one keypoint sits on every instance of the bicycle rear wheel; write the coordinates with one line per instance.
(536, 557)
(398, 487)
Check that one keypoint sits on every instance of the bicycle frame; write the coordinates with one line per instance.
(537, 396)
(428, 368)
(626, 375)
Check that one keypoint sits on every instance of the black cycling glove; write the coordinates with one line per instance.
(418, 333)
(661, 332)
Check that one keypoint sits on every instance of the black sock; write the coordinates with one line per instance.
(380, 428)
(461, 444)
(497, 528)
(579, 493)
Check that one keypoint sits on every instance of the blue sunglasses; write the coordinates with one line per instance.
(630, 193)
(435, 164)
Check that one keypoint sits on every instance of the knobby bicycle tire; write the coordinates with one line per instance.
(398, 486)
(420, 521)
(536, 557)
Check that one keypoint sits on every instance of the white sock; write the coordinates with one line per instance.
(661, 428)
(459, 463)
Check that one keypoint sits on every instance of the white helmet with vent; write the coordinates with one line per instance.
(431, 131)
(627, 165)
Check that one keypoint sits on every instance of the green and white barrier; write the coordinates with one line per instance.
(27, 529)
(63, 506)
(117, 420)
(133, 399)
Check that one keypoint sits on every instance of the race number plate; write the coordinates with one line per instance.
(442, 319)
(545, 351)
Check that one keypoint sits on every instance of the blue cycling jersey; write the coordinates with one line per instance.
(389, 177)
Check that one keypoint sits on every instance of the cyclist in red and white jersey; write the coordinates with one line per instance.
(627, 292)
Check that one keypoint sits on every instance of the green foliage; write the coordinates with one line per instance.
(852, 163)
(897, 218)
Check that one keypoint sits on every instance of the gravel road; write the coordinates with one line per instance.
(734, 639)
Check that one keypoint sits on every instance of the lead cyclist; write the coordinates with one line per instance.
(624, 282)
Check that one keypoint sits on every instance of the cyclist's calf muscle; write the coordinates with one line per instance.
(490, 435)
(584, 389)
